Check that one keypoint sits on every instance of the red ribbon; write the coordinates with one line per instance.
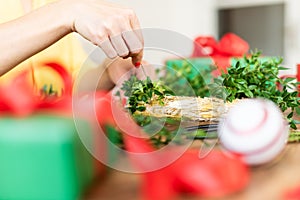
(217, 174)
(221, 52)
(19, 99)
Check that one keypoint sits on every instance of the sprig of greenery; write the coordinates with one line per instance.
(257, 77)
(142, 92)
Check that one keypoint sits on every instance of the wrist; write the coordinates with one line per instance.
(64, 11)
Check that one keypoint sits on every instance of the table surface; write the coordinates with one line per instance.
(268, 181)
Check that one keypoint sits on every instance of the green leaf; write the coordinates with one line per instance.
(289, 79)
(290, 115)
(252, 87)
(283, 68)
(141, 108)
(249, 94)
(293, 126)
(241, 81)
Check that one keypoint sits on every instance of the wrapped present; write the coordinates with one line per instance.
(42, 157)
(41, 154)
(221, 53)
(209, 54)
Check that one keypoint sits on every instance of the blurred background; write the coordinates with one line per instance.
(268, 25)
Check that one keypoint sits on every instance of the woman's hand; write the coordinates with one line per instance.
(116, 30)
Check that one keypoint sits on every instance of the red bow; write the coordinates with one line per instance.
(18, 97)
(230, 45)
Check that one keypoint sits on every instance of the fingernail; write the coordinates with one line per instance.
(137, 64)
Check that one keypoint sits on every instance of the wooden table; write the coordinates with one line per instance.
(269, 181)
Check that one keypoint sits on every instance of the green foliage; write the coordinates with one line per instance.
(256, 77)
(142, 92)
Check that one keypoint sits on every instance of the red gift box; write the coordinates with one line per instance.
(221, 52)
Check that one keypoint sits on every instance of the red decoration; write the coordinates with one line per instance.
(217, 174)
(221, 52)
(205, 46)
(18, 98)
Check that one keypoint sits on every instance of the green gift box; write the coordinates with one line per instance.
(42, 157)
(194, 66)
(189, 77)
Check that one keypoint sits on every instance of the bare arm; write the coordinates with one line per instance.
(110, 27)
(25, 36)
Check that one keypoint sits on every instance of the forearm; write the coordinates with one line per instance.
(31, 34)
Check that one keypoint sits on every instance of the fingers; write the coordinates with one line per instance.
(125, 45)
(135, 47)
(120, 45)
(132, 41)
(108, 49)
(118, 34)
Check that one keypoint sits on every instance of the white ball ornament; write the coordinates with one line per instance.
(255, 129)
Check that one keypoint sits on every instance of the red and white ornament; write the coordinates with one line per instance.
(255, 129)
